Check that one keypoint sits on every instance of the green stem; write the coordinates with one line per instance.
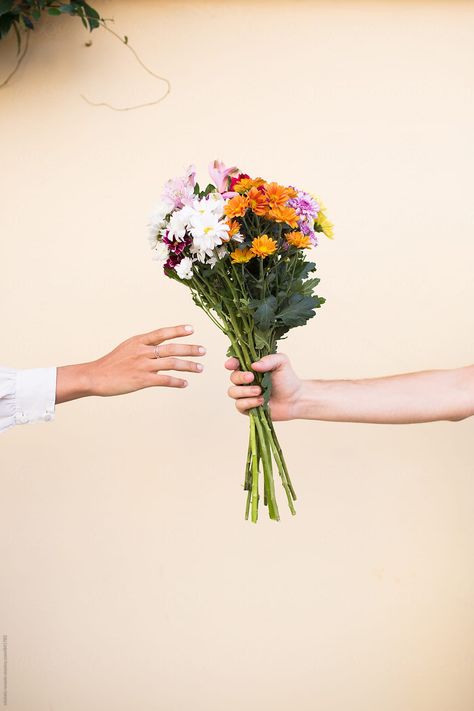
(281, 467)
(282, 458)
(267, 466)
(254, 469)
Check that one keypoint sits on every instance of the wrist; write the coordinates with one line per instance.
(307, 405)
(74, 382)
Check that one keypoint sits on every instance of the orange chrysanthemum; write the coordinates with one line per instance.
(240, 256)
(257, 201)
(298, 240)
(246, 184)
(292, 192)
(263, 246)
(236, 207)
(277, 195)
(284, 214)
(234, 228)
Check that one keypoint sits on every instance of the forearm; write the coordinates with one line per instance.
(399, 399)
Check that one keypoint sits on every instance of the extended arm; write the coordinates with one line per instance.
(398, 399)
(140, 362)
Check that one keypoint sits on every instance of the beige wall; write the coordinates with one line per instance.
(129, 579)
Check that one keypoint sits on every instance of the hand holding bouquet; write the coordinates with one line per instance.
(240, 246)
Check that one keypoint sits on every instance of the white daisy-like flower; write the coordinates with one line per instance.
(158, 221)
(185, 268)
(216, 203)
(161, 252)
(178, 223)
(208, 231)
(213, 203)
(238, 237)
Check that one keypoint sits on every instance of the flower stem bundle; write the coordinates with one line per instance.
(240, 245)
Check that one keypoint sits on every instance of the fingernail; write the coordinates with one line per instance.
(185, 383)
(256, 391)
(201, 350)
(188, 329)
(199, 367)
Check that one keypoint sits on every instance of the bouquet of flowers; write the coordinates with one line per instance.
(240, 245)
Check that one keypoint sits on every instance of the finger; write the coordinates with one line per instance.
(237, 392)
(167, 381)
(164, 334)
(248, 403)
(270, 362)
(241, 377)
(173, 363)
(232, 364)
(173, 349)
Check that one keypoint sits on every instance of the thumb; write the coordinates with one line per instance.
(272, 362)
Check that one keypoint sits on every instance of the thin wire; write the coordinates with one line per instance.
(18, 63)
(143, 65)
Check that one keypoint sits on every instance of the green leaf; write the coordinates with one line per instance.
(261, 343)
(298, 310)
(264, 314)
(53, 11)
(209, 189)
(308, 267)
(6, 23)
(68, 9)
(5, 6)
(308, 286)
(93, 17)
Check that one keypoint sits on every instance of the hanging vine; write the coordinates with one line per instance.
(20, 18)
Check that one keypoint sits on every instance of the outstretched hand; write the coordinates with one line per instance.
(286, 386)
(132, 365)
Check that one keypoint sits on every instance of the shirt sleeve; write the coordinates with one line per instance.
(26, 396)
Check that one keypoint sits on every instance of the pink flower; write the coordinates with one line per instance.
(220, 175)
(179, 191)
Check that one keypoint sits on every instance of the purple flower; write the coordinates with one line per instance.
(177, 246)
(306, 227)
(304, 205)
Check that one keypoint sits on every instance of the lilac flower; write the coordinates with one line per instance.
(304, 204)
(307, 228)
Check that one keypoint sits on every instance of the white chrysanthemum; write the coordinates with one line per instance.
(213, 203)
(238, 238)
(201, 254)
(158, 221)
(208, 231)
(161, 252)
(218, 254)
(185, 268)
(216, 203)
(178, 223)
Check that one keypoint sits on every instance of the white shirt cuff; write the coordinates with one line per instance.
(35, 395)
